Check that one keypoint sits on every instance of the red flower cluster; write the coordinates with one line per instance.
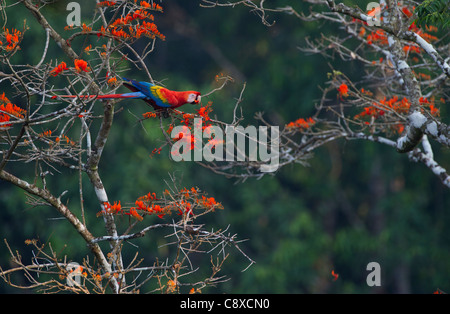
(335, 275)
(59, 69)
(300, 124)
(153, 6)
(371, 112)
(80, 66)
(110, 209)
(12, 39)
(408, 48)
(123, 27)
(430, 104)
(106, 4)
(424, 35)
(145, 205)
(8, 110)
(183, 203)
(407, 12)
(149, 114)
(209, 202)
(379, 37)
(47, 133)
(64, 138)
(394, 104)
(343, 90)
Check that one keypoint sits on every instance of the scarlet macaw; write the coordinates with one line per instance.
(157, 96)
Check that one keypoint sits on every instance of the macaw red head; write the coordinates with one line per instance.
(193, 98)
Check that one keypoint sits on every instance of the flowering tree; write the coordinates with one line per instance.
(45, 135)
(397, 103)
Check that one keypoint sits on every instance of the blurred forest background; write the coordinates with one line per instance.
(356, 203)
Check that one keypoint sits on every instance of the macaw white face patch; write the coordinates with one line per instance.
(194, 98)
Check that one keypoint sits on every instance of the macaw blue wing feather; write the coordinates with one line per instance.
(152, 91)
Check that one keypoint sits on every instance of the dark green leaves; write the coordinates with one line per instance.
(434, 12)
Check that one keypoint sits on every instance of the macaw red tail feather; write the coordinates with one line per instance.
(111, 96)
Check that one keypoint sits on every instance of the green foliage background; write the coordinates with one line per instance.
(356, 203)
(434, 12)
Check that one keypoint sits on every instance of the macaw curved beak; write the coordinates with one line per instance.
(197, 100)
